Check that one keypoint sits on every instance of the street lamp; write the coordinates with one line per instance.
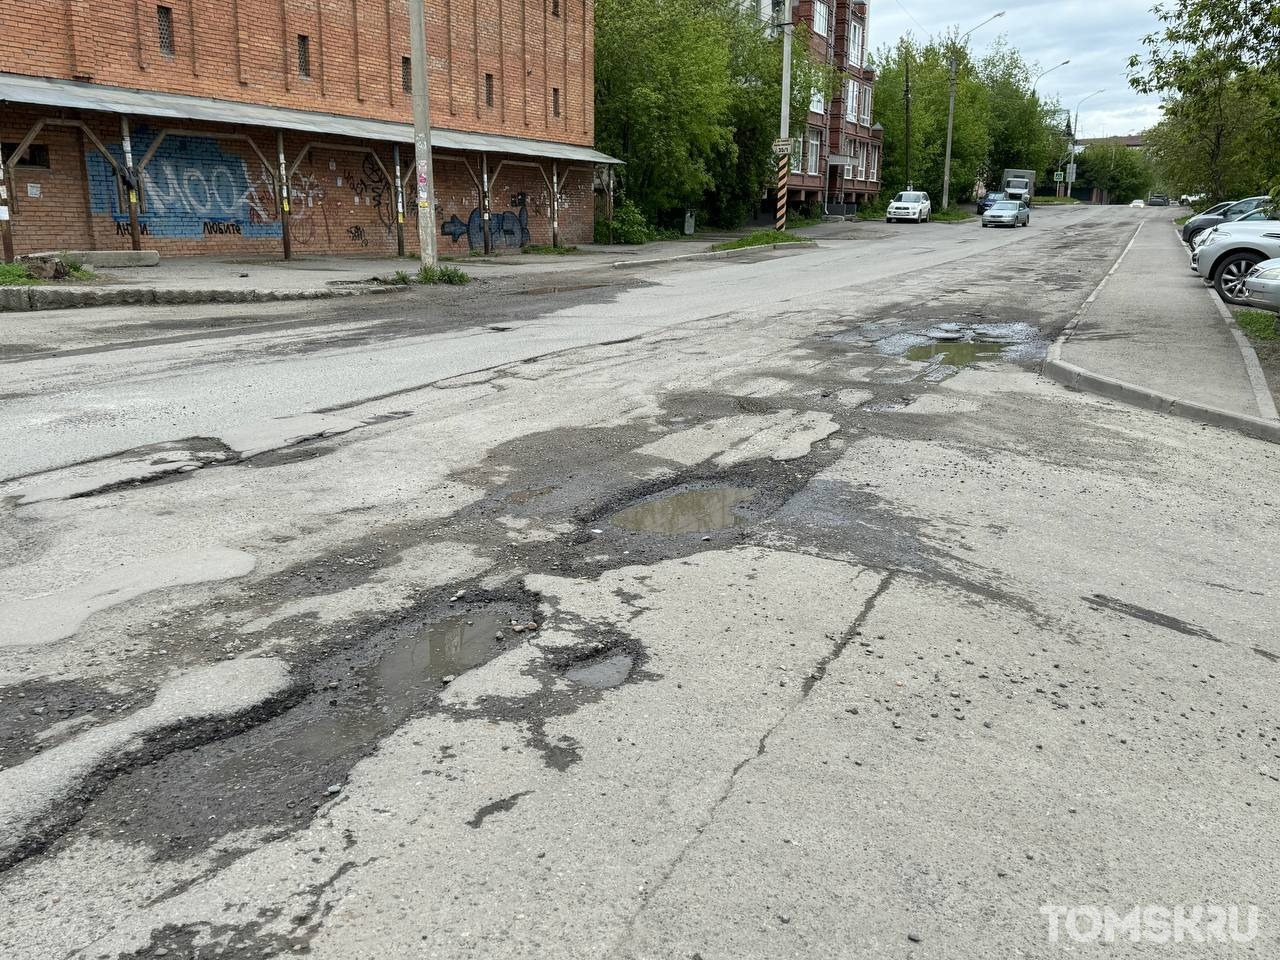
(951, 108)
(1044, 74)
(1075, 139)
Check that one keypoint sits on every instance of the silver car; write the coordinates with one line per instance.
(1234, 249)
(1007, 213)
(1262, 286)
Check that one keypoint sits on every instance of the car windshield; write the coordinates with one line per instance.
(1016, 184)
(909, 198)
(1006, 205)
(1244, 206)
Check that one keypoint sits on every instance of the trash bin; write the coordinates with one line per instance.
(688, 223)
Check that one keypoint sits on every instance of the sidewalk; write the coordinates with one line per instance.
(1153, 335)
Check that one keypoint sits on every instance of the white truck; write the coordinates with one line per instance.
(1019, 185)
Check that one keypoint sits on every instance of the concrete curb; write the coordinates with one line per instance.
(712, 254)
(1078, 378)
(30, 299)
(1258, 379)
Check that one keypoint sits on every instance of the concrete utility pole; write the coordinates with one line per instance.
(784, 126)
(951, 107)
(906, 97)
(422, 132)
(6, 237)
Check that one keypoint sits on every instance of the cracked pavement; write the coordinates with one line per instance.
(328, 635)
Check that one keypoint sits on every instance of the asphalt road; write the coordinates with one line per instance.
(719, 610)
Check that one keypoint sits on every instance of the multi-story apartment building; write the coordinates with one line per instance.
(214, 104)
(836, 158)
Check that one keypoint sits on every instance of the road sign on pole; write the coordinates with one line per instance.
(1071, 173)
(1057, 176)
(781, 147)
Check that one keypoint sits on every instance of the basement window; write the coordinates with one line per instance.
(555, 101)
(164, 27)
(406, 75)
(35, 157)
(488, 89)
(304, 55)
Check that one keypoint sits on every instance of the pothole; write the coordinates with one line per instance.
(278, 772)
(701, 510)
(602, 672)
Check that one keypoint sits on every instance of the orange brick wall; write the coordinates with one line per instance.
(246, 50)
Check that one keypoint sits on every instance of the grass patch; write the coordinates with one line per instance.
(545, 249)
(15, 275)
(1181, 220)
(451, 276)
(1060, 201)
(795, 223)
(1259, 324)
(761, 238)
(954, 215)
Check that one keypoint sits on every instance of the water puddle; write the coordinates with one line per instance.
(603, 673)
(689, 511)
(955, 353)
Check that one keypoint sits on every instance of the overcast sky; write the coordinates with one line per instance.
(1097, 36)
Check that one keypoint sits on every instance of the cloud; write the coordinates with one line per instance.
(1097, 36)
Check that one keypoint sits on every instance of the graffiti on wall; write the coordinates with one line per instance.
(371, 187)
(193, 187)
(507, 229)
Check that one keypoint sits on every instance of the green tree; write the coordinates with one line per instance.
(663, 91)
(1120, 173)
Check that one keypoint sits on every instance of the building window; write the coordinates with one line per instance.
(35, 157)
(862, 160)
(851, 100)
(865, 114)
(555, 8)
(815, 148)
(848, 152)
(855, 43)
(555, 101)
(816, 103)
(164, 26)
(488, 89)
(304, 55)
(821, 20)
(406, 74)
(797, 155)
(874, 172)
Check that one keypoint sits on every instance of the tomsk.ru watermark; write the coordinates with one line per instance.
(1182, 923)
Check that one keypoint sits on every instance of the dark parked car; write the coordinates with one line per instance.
(990, 200)
(1220, 214)
(1157, 200)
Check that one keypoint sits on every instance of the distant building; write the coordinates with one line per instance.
(838, 153)
(223, 101)
(1132, 141)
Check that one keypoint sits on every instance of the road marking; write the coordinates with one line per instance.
(1055, 351)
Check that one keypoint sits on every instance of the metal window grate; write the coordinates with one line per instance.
(406, 75)
(555, 101)
(164, 26)
(304, 55)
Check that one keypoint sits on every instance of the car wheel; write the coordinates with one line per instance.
(1228, 276)
(1191, 237)
(888, 219)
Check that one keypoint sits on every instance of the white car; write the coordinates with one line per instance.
(909, 205)
(1231, 251)
(1262, 286)
(1137, 203)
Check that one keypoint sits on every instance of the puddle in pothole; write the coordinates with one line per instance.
(603, 673)
(955, 353)
(689, 511)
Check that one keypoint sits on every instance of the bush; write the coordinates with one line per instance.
(446, 275)
(630, 226)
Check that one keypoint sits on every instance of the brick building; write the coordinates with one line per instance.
(838, 148)
(216, 102)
